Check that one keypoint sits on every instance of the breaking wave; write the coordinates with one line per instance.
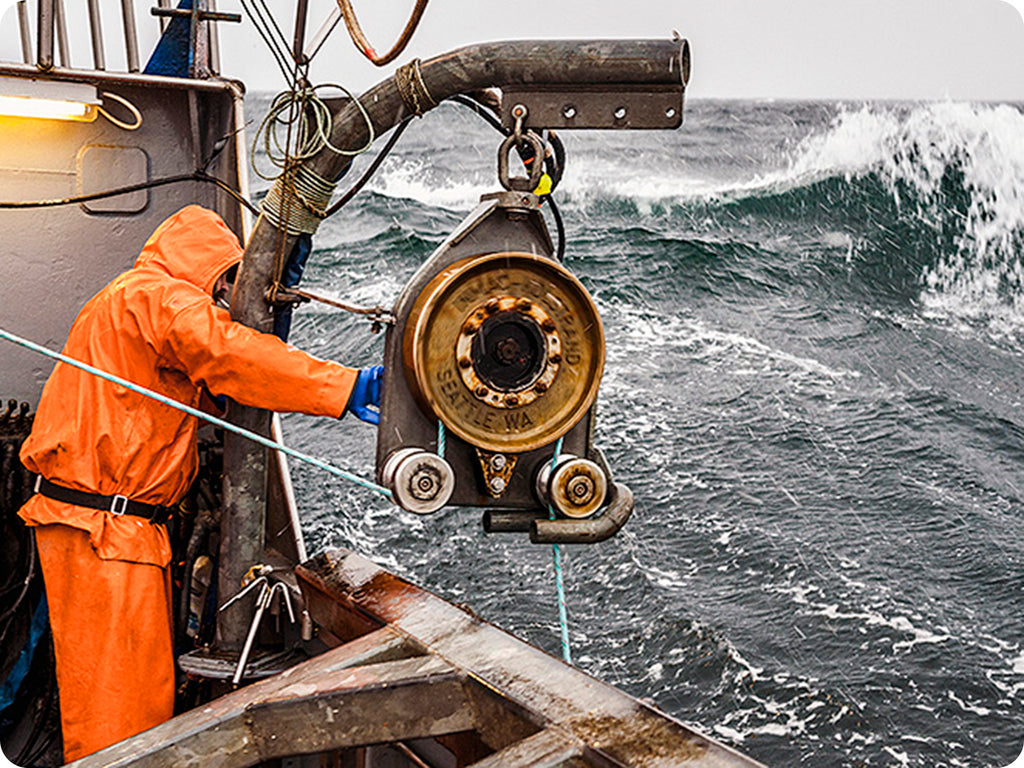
(941, 184)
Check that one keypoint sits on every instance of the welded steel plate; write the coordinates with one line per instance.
(507, 349)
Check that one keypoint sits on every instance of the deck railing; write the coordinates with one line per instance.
(51, 33)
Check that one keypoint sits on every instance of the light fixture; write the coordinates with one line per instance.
(48, 99)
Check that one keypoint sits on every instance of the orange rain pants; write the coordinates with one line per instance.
(157, 326)
(119, 678)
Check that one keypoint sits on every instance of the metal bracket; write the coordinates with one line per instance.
(598, 106)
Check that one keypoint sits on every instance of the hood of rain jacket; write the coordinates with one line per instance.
(157, 326)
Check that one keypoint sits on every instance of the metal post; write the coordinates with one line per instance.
(199, 41)
(164, 20)
(131, 36)
(301, 13)
(45, 59)
(243, 521)
(98, 57)
(62, 33)
(26, 32)
(213, 33)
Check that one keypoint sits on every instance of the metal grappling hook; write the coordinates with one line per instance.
(267, 590)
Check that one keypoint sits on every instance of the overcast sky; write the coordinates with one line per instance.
(849, 49)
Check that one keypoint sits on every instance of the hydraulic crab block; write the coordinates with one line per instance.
(499, 352)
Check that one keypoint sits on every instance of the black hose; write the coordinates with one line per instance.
(368, 174)
(482, 111)
(195, 176)
(197, 543)
(45, 719)
(559, 229)
(29, 578)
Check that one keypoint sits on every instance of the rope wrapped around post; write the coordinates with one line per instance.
(298, 201)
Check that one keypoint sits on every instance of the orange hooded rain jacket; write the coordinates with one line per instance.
(157, 326)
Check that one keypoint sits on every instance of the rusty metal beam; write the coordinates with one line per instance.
(321, 705)
(617, 729)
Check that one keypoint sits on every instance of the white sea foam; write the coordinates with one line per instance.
(1018, 665)
(913, 150)
(730, 734)
(413, 178)
(748, 356)
(967, 706)
(901, 757)
(981, 277)
(899, 623)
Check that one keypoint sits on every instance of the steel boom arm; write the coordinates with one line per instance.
(621, 65)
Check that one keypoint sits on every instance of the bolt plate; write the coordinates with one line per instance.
(479, 356)
(650, 107)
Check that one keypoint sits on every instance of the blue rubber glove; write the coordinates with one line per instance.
(366, 393)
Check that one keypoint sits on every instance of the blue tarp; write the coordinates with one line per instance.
(172, 55)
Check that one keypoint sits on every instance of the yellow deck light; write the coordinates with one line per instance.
(48, 99)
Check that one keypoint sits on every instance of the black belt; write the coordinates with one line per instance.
(117, 504)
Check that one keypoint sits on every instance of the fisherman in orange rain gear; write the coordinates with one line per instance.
(109, 458)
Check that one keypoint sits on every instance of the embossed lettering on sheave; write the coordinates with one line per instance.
(498, 281)
(448, 385)
(461, 404)
(517, 421)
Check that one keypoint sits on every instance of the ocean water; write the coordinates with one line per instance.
(814, 317)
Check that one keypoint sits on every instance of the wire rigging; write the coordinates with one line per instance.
(153, 183)
(266, 30)
(370, 171)
(257, 438)
(312, 120)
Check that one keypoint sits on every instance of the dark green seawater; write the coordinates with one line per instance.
(814, 317)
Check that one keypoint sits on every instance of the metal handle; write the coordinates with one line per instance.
(590, 531)
(506, 521)
(564, 530)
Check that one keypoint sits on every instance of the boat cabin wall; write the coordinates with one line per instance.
(56, 257)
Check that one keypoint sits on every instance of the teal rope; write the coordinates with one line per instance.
(193, 412)
(563, 618)
(556, 553)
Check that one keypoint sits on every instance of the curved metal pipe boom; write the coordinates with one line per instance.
(566, 63)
